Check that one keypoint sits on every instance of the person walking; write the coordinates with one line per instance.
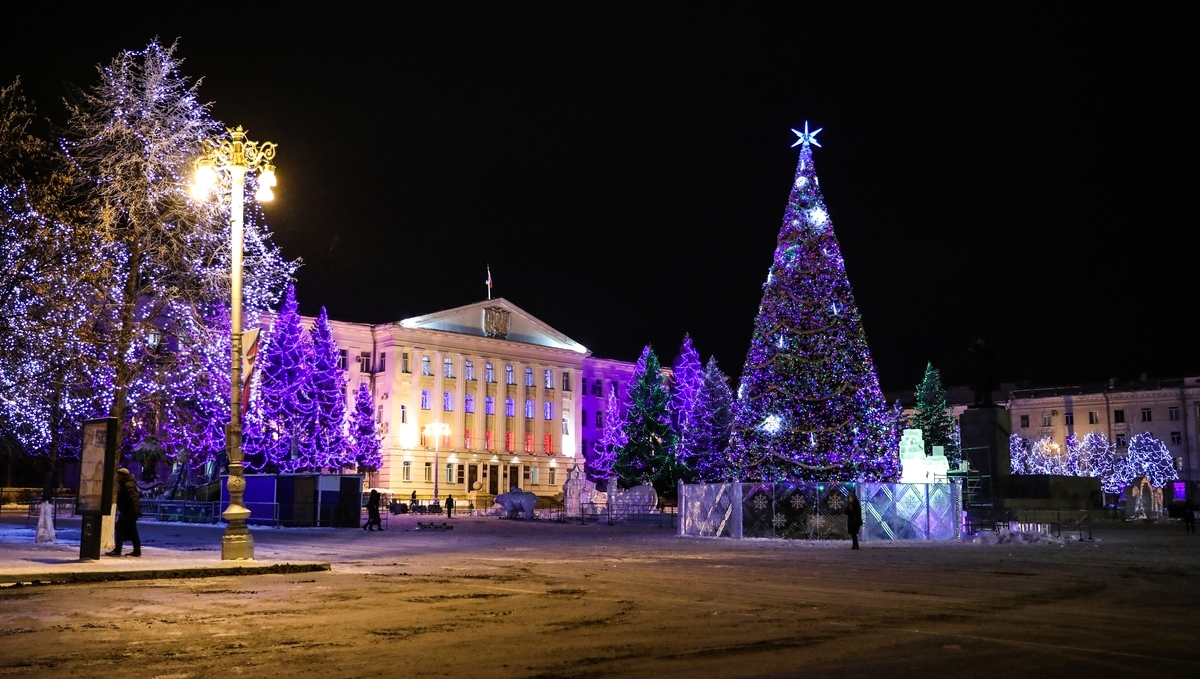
(449, 506)
(853, 518)
(129, 508)
(412, 506)
(373, 520)
(1189, 516)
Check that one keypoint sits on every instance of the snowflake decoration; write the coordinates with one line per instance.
(801, 181)
(779, 520)
(797, 501)
(760, 502)
(807, 137)
(818, 216)
(836, 503)
(772, 424)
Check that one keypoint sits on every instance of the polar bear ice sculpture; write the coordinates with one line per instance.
(517, 500)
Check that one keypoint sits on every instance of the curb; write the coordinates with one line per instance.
(159, 573)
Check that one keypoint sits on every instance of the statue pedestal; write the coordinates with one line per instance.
(985, 432)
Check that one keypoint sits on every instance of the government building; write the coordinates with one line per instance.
(475, 400)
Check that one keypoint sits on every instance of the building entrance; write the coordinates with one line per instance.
(472, 477)
(514, 477)
(493, 479)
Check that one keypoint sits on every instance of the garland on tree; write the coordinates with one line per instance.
(687, 380)
(324, 442)
(932, 416)
(648, 458)
(713, 417)
(364, 437)
(281, 411)
(809, 405)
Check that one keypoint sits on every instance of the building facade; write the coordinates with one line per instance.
(479, 399)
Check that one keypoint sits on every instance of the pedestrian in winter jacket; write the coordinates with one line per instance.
(854, 519)
(373, 519)
(129, 510)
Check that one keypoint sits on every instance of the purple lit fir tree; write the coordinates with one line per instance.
(647, 458)
(809, 404)
(712, 418)
(280, 411)
(364, 438)
(324, 442)
(1148, 456)
(686, 382)
(612, 439)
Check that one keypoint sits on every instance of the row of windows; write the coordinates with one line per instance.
(597, 387)
(599, 419)
(489, 405)
(1094, 417)
(364, 365)
(456, 473)
(489, 440)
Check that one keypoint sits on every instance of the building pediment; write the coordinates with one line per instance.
(496, 318)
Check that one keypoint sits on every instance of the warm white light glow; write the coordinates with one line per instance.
(264, 194)
(267, 176)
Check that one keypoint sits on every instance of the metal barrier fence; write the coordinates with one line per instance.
(817, 511)
(1053, 522)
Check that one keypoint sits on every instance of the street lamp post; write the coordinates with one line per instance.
(438, 429)
(236, 155)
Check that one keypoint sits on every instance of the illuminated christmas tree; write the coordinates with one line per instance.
(364, 438)
(612, 440)
(647, 458)
(281, 410)
(710, 425)
(325, 442)
(687, 379)
(932, 416)
(809, 404)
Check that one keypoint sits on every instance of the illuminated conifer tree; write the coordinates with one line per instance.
(364, 437)
(648, 454)
(710, 425)
(687, 379)
(282, 410)
(325, 441)
(809, 404)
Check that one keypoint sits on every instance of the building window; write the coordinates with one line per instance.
(529, 377)
(1176, 438)
(583, 381)
(447, 401)
(489, 373)
(548, 376)
(1093, 417)
(510, 408)
(424, 399)
(364, 362)
(1119, 416)
(599, 419)
(525, 473)
(509, 441)
(585, 419)
(428, 471)
(529, 409)
(466, 438)
(1173, 413)
(529, 443)
(469, 403)
(448, 367)
(547, 410)
(1069, 419)
(598, 388)
(462, 474)
(1145, 414)
(469, 370)
(489, 405)
(1025, 421)
(403, 414)
(407, 472)
(1120, 440)
(404, 362)
(533, 476)
(566, 381)
(489, 441)
(382, 362)
(508, 375)
(547, 444)
(1047, 419)
(343, 358)
(553, 476)
(426, 370)
(566, 426)
(449, 472)
(379, 414)
(424, 440)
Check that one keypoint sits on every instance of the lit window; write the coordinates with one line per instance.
(343, 358)
(425, 369)
(447, 367)
(404, 362)
(469, 370)
(1047, 419)
(547, 410)
(407, 476)
(489, 442)
(529, 409)
(489, 373)
(403, 414)
(1024, 420)
(529, 443)
(424, 399)
(547, 444)
(447, 401)
(1069, 419)
(566, 427)
(566, 381)
(533, 476)
(449, 472)
(529, 377)
(469, 403)
(1093, 417)
(1146, 415)
(1173, 413)
(1176, 438)
(553, 476)
(489, 405)
(508, 441)
(548, 375)
(466, 438)
(428, 471)
(508, 375)
(510, 408)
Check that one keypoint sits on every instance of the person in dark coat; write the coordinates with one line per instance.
(129, 508)
(449, 506)
(412, 506)
(373, 519)
(854, 519)
(1189, 516)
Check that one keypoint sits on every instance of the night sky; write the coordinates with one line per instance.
(1017, 176)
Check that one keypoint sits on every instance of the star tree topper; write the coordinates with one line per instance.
(807, 137)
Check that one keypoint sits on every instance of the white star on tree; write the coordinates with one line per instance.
(806, 137)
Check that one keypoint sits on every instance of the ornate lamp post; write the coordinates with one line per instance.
(237, 156)
(438, 430)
